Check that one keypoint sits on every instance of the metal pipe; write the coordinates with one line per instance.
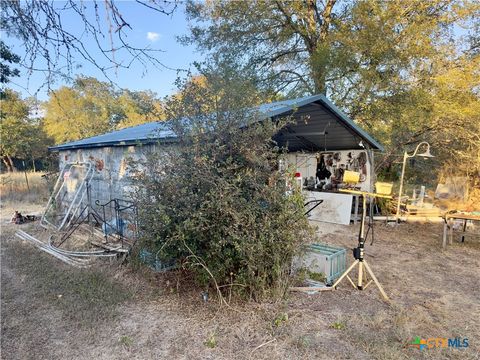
(42, 247)
(397, 214)
(56, 192)
(426, 154)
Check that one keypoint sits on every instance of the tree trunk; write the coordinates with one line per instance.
(319, 47)
(7, 160)
(318, 74)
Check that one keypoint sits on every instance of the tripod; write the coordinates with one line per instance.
(359, 251)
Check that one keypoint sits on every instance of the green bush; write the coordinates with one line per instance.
(216, 200)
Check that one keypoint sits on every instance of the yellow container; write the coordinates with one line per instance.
(383, 188)
(351, 177)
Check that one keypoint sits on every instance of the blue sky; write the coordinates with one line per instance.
(148, 29)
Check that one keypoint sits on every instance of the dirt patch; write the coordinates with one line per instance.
(112, 312)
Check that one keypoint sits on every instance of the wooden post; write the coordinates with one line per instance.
(445, 230)
(26, 177)
(450, 240)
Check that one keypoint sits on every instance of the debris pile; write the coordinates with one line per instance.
(78, 230)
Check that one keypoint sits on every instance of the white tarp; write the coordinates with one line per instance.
(336, 208)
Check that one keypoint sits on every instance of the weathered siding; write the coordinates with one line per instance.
(111, 179)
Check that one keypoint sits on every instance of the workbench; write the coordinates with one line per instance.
(449, 220)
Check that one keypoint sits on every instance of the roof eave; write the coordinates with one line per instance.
(112, 143)
(347, 121)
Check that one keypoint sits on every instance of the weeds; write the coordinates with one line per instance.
(304, 274)
(280, 319)
(211, 341)
(304, 342)
(338, 325)
(126, 341)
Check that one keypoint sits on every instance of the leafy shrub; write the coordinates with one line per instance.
(216, 199)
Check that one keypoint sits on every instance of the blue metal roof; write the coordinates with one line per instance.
(154, 131)
(140, 134)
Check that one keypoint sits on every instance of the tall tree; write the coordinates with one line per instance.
(20, 136)
(139, 107)
(329, 46)
(380, 61)
(83, 110)
(287, 41)
(91, 107)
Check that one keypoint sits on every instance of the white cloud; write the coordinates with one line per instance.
(153, 36)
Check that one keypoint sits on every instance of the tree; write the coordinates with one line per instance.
(83, 110)
(91, 107)
(330, 47)
(455, 110)
(20, 136)
(54, 48)
(6, 71)
(139, 107)
(222, 210)
(380, 61)
(13, 127)
(288, 42)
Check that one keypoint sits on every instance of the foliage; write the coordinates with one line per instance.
(216, 199)
(211, 341)
(126, 340)
(91, 107)
(21, 136)
(6, 72)
(139, 107)
(346, 50)
(445, 111)
(338, 325)
(287, 42)
(406, 71)
(280, 319)
(80, 111)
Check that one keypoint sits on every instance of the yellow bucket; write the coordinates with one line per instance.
(383, 188)
(351, 177)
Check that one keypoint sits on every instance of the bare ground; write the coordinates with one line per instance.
(52, 311)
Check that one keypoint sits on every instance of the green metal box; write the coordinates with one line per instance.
(326, 259)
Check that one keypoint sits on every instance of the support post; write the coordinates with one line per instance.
(397, 216)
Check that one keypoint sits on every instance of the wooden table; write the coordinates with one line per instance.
(449, 219)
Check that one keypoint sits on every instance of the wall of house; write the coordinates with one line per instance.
(111, 178)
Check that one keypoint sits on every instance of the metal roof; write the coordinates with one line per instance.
(326, 117)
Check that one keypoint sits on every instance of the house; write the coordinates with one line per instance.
(322, 140)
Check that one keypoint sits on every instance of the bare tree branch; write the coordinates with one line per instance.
(40, 25)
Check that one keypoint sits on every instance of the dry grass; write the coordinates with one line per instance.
(471, 204)
(14, 188)
(435, 293)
